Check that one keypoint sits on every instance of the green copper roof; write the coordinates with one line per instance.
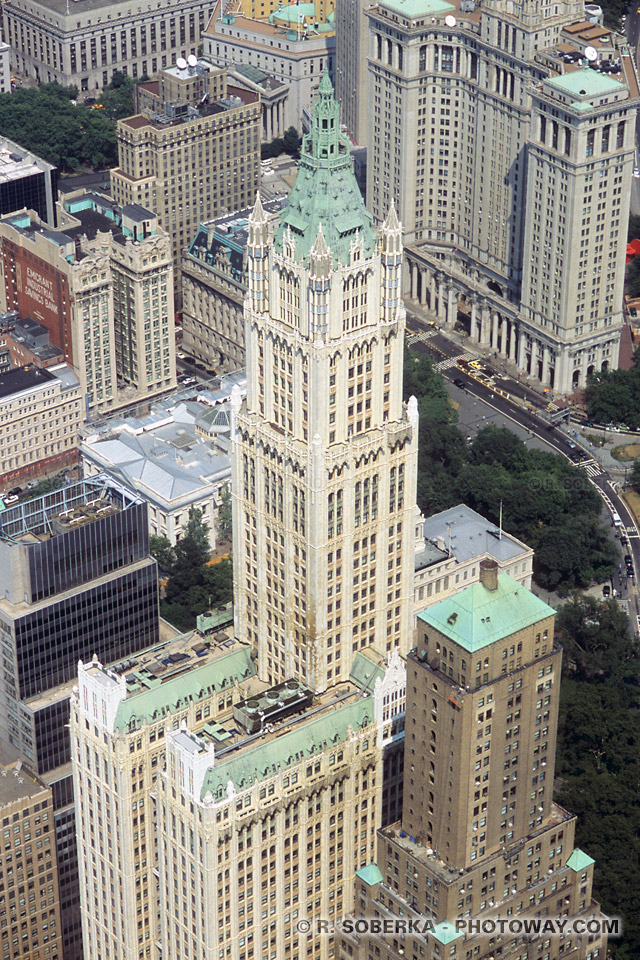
(305, 740)
(476, 617)
(579, 860)
(325, 191)
(173, 695)
(445, 932)
(370, 875)
(419, 8)
(364, 672)
(585, 82)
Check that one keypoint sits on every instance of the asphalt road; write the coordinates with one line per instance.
(499, 394)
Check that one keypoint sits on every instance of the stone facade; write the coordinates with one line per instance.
(55, 41)
(510, 156)
(324, 450)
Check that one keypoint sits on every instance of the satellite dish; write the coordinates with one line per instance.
(450, 21)
(192, 60)
(181, 63)
(591, 54)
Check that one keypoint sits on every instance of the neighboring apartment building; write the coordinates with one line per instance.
(104, 290)
(506, 135)
(26, 181)
(292, 46)
(480, 835)
(76, 579)
(191, 154)
(40, 411)
(324, 450)
(271, 795)
(176, 457)
(214, 285)
(451, 546)
(83, 44)
(28, 867)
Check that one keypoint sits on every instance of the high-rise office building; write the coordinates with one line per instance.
(352, 68)
(102, 285)
(506, 135)
(26, 181)
(324, 451)
(76, 579)
(480, 835)
(29, 901)
(192, 153)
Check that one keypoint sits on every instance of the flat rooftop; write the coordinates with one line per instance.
(22, 379)
(462, 533)
(18, 783)
(40, 518)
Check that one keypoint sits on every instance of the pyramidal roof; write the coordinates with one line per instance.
(325, 193)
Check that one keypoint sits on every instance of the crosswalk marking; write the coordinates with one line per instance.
(452, 361)
(420, 337)
(592, 469)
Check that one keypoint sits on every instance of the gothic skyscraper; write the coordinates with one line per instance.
(325, 451)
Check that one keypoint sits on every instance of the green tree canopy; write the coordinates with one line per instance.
(161, 550)
(613, 396)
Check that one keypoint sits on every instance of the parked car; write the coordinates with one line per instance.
(606, 590)
(459, 383)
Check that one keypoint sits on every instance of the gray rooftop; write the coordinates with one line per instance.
(466, 534)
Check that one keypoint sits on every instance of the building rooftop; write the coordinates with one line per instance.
(17, 784)
(419, 8)
(464, 534)
(16, 162)
(165, 680)
(579, 860)
(259, 756)
(586, 82)
(325, 206)
(23, 379)
(477, 617)
(40, 518)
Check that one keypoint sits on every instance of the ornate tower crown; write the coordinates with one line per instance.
(325, 192)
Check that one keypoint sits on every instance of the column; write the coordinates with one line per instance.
(473, 333)
(412, 279)
(442, 304)
(452, 307)
(513, 341)
(545, 364)
(494, 329)
(423, 286)
(522, 351)
(484, 325)
(503, 337)
(534, 358)
(433, 292)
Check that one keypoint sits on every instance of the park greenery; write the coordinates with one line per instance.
(598, 753)
(290, 144)
(194, 584)
(47, 120)
(545, 501)
(613, 396)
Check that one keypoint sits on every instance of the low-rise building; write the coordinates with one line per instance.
(28, 866)
(214, 285)
(40, 411)
(291, 45)
(102, 285)
(454, 543)
(24, 342)
(175, 456)
(83, 44)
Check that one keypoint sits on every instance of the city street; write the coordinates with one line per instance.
(498, 399)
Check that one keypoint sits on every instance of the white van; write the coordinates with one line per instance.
(617, 522)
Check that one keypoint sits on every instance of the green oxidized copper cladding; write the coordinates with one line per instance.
(325, 190)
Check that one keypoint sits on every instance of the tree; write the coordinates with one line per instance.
(161, 550)
(224, 518)
(613, 396)
(117, 97)
(634, 475)
(48, 485)
(291, 140)
(633, 232)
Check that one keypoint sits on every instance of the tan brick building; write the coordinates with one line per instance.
(191, 154)
(29, 904)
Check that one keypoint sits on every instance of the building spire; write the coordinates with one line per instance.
(325, 191)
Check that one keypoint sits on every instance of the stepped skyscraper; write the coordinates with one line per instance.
(325, 451)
